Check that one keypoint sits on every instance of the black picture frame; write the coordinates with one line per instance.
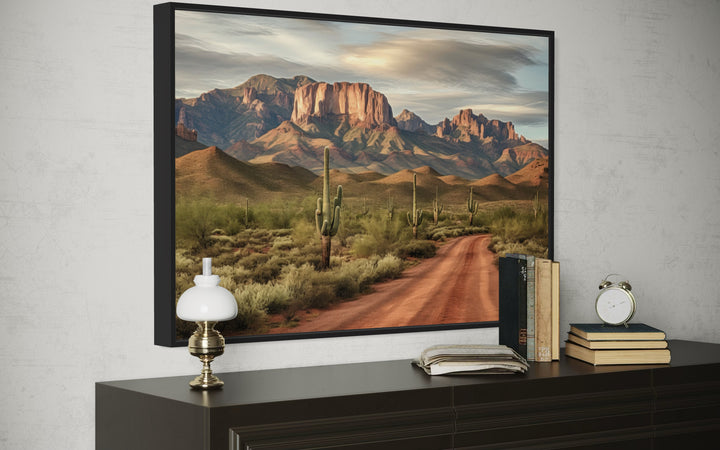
(165, 151)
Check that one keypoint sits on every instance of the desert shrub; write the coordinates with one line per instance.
(364, 245)
(249, 317)
(344, 285)
(283, 243)
(519, 231)
(227, 280)
(269, 298)
(268, 270)
(442, 233)
(388, 267)
(194, 221)
(303, 232)
(417, 249)
(183, 282)
(253, 260)
(231, 277)
(298, 279)
(363, 271)
(229, 257)
(536, 247)
(347, 229)
(306, 286)
(197, 220)
(184, 263)
(378, 236)
(280, 214)
(321, 296)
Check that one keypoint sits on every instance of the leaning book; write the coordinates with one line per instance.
(471, 359)
(613, 357)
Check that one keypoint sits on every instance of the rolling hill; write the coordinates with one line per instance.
(211, 172)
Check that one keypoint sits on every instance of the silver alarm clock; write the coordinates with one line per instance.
(615, 304)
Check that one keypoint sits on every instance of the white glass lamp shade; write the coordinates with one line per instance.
(207, 300)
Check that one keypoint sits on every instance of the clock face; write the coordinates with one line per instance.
(615, 305)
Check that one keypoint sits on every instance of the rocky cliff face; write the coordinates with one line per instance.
(356, 101)
(182, 131)
(466, 124)
(245, 112)
(409, 121)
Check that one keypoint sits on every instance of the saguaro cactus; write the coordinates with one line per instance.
(327, 214)
(536, 204)
(390, 208)
(437, 207)
(415, 217)
(247, 211)
(365, 210)
(472, 206)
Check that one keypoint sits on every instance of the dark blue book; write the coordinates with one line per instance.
(508, 303)
(604, 332)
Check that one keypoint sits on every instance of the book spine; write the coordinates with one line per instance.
(508, 303)
(555, 314)
(543, 310)
(522, 305)
(531, 308)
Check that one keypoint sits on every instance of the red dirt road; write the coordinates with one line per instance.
(459, 284)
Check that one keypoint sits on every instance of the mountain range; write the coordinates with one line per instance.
(290, 121)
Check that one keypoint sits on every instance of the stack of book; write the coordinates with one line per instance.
(529, 306)
(601, 344)
(471, 359)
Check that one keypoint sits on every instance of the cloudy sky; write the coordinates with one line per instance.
(432, 72)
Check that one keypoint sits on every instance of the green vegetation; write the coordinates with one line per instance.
(274, 266)
(519, 231)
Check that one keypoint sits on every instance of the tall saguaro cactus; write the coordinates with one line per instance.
(327, 214)
(415, 217)
(536, 204)
(472, 207)
(437, 207)
(247, 211)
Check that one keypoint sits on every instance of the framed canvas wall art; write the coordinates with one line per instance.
(347, 175)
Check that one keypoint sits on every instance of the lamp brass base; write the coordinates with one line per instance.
(206, 382)
(206, 343)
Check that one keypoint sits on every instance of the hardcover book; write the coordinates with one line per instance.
(606, 345)
(603, 332)
(555, 313)
(543, 309)
(611, 357)
(508, 302)
(522, 279)
(531, 308)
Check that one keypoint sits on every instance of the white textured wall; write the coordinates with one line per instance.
(637, 189)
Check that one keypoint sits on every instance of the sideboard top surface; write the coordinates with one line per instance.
(282, 385)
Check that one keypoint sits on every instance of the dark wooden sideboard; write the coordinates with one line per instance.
(394, 405)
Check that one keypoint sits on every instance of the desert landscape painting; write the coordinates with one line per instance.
(357, 177)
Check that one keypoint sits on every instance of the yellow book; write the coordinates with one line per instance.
(613, 357)
(543, 310)
(555, 313)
